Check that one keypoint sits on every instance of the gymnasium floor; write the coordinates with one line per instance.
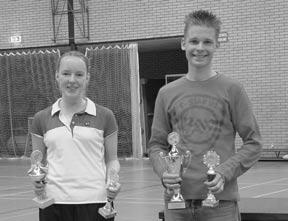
(141, 195)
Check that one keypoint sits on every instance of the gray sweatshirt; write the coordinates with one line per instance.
(207, 115)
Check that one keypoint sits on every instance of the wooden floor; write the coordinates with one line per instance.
(141, 195)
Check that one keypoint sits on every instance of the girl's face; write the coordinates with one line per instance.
(72, 77)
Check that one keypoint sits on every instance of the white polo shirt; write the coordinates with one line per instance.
(75, 152)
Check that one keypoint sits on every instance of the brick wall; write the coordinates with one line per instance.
(256, 53)
(31, 19)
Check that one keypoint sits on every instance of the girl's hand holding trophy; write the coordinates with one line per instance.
(113, 188)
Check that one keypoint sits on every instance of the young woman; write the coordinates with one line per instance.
(78, 139)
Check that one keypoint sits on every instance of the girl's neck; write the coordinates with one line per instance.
(72, 105)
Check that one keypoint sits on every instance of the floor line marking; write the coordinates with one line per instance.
(15, 194)
(16, 177)
(259, 184)
(11, 188)
(15, 198)
(271, 193)
(20, 215)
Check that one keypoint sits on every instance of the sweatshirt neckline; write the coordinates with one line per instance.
(204, 81)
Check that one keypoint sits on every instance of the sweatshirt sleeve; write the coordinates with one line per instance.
(159, 131)
(246, 125)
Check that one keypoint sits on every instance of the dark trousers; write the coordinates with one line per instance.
(72, 212)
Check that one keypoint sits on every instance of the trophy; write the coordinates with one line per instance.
(211, 159)
(175, 163)
(108, 210)
(37, 173)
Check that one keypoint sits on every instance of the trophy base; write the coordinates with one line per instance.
(42, 204)
(176, 205)
(210, 203)
(107, 213)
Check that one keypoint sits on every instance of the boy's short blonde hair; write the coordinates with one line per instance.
(202, 17)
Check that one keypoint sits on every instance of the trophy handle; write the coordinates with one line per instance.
(187, 157)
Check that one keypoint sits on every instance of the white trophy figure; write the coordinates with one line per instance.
(37, 172)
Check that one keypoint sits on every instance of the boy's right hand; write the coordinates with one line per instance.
(170, 180)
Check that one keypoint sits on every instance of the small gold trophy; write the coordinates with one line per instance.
(173, 163)
(37, 172)
(108, 210)
(211, 159)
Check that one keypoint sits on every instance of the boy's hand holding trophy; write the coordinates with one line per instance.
(211, 159)
(175, 164)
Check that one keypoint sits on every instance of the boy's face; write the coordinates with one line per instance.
(199, 44)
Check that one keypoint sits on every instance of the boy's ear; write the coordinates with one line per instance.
(183, 44)
(217, 44)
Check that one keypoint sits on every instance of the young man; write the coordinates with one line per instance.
(206, 109)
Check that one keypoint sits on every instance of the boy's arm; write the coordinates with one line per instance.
(247, 127)
(159, 132)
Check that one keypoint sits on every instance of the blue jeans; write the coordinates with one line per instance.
(226, 211)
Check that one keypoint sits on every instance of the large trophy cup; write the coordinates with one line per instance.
(108, 210)
(211, 159)
(175, 163)
(37, 172)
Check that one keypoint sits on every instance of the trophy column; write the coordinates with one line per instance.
(211, 159)
(38, 173)
(173, 163)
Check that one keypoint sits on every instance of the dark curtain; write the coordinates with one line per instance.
(27, 86)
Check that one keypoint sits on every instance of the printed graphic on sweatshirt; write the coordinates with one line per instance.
(198, 119)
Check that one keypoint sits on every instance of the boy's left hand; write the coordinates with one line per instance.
(216, 185)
